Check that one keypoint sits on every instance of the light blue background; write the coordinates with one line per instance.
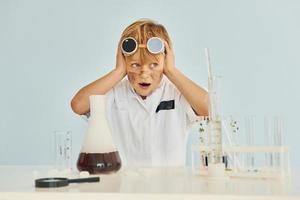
(50, 49)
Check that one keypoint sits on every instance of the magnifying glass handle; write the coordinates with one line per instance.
(84, 180)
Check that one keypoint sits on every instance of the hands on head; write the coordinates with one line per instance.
(169, 59)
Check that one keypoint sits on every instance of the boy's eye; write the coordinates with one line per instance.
(135, 65)
(153, 65)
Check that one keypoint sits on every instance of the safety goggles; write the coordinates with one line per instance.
(154, 45)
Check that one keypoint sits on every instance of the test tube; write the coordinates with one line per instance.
(231, 132)
(267, 136)
(278, 130)
(249, 131)
(203, 141)
(235, 134)
(274, 128)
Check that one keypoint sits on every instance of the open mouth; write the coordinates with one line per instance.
(144, 85)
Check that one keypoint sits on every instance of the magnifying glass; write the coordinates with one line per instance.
(60, 182)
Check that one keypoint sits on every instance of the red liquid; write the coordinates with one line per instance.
(96, 163)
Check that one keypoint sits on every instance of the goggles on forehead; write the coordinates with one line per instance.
(154, 45)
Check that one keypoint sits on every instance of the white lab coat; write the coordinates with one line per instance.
(143, 136)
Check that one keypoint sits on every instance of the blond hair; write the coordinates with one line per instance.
(144, 29)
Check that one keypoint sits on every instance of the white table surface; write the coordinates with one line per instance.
(17, 182)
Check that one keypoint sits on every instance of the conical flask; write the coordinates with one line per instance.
(98, 153)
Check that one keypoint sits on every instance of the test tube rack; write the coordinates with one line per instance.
(236, 165)
(214, 153)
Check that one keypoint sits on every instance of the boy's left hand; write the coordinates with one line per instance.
(169, 64)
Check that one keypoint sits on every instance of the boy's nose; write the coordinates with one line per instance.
(145, 70)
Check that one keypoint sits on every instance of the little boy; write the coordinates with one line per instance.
(149, 113)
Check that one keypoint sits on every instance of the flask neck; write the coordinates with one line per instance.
(97, 105)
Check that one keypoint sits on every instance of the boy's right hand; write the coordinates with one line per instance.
(120, 61)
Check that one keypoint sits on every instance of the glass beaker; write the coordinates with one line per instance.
(63, 149)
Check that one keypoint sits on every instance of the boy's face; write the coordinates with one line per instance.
(145, 76)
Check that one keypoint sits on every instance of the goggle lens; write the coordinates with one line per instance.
(129, 45)
(155, 45)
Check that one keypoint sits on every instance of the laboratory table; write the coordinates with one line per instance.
(17, 182)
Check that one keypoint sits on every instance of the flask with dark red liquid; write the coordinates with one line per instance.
(98, 153)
